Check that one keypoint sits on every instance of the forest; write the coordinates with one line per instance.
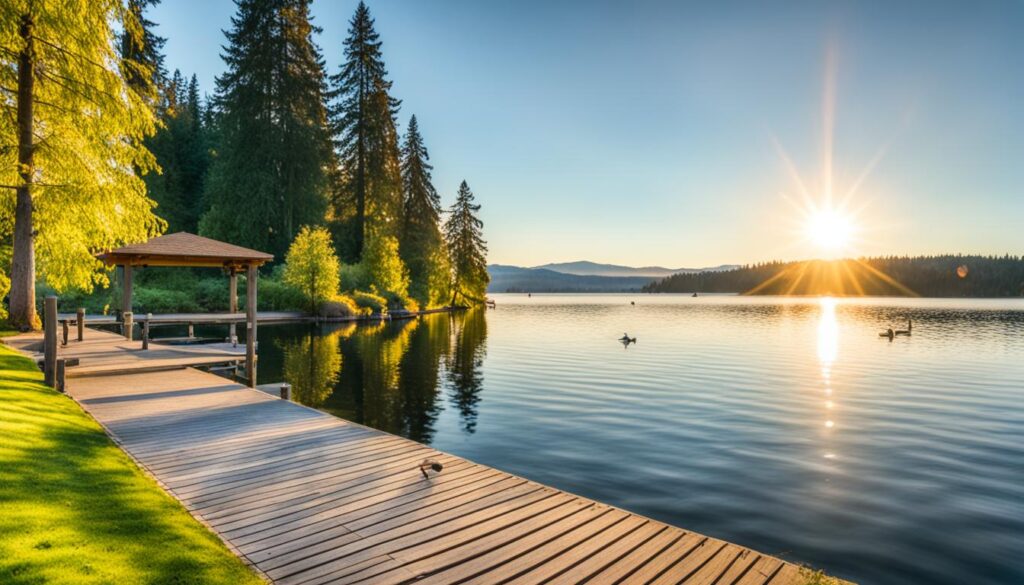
(102, 146)
(929, 276)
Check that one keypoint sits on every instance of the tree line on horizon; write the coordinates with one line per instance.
(103, 147)
(931, 276)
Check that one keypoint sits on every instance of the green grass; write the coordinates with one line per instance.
(75, 509)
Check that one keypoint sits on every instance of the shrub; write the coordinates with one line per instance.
(159, 300)
(367, 300)
(353, 277)
(311, 266)
(397, 302)
(340, 307)
(274, 295)
(212, 294)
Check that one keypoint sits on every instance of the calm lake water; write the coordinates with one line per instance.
(786, 425)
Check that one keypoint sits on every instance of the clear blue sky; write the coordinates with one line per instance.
(643, 132)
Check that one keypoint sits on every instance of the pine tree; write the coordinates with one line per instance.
(269, 175)
(181, 151)
(467, 248)
(422, 244)
(142, 59)
(72, 130)
(368, 190)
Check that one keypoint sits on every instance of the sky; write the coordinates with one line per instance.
(658, 133)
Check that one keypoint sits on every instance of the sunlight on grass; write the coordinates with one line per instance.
(76, 509)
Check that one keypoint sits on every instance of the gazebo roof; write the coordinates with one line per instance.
(184, 249)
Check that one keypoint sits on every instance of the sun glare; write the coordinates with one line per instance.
(830, 230)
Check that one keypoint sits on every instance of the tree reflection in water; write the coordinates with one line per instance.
(464, 366)
(389, 375)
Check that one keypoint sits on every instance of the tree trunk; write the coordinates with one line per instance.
(23, 264)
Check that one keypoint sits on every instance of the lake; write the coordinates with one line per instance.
(785, 425)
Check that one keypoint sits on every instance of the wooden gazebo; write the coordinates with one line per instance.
(190, 250)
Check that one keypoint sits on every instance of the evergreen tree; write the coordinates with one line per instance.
(142, 59)
(268, 176)
(467, 248)
(422, 244)
(72, 131)
(368, 189)
(181, 150)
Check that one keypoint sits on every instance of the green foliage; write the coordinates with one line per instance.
(268, 175)
(375, 303)
(275, 295)
(353, 277)
(383, 267)
(368, 188)
(397, 302)
(77, 510)
(311, 266)
(463, 234)
(181, 148)
(5, 287)
(88, 125)
(422, 245)
(341, 307)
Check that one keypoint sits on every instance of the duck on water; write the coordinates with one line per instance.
(626, 339)
(890, 333)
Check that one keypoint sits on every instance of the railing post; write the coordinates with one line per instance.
(191, 331)
(145, 331)
(80, 318)
(64, 338)
(61, 385)
(50, 340)
(127, 324)
(286, 391)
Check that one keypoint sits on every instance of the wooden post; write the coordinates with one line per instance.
(61, 385)
(191, 331)
(50, 340)
(250, 323)
(286, 391)
(126, 300)
(127, 324)
(233, 303)
(80, 319)
(64, 337)
(145, 331)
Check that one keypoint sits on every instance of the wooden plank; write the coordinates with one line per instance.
(695, 561)
(668, 558)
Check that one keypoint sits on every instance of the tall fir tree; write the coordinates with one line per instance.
(467, 248)
(268, 177)
(182, 152)
(72, 130)
(367, 198)
(422, 244)
(142, 59)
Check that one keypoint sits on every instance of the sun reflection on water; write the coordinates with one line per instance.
(828, 351)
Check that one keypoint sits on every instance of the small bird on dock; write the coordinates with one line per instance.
(632, 303)
(432, 465)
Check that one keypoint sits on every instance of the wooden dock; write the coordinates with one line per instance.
(309, 498)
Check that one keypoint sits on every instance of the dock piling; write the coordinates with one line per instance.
(286, 391)
(80, 320)
(50, 340)
(61, 376)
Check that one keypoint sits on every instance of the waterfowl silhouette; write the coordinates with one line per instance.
(910, 327)
(626, 339)
(887, 333)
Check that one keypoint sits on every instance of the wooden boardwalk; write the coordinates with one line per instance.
(309, 498)
(104, 353)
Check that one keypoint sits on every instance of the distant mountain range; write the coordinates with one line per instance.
(582, 276)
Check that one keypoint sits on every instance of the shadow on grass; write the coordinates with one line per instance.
(77, 510)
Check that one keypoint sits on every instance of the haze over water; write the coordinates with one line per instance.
(786, 425)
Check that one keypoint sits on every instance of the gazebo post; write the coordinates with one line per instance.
(126, 296)
(232, 302)
(250, 323)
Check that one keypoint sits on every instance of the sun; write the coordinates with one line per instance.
(830, 230)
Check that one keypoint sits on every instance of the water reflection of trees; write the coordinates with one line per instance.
(389, 375)
(312, 364)
(464, 366)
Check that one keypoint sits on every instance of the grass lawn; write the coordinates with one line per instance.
(75, 509)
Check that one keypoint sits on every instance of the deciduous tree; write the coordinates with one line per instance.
(311, 266)
(71, 134)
